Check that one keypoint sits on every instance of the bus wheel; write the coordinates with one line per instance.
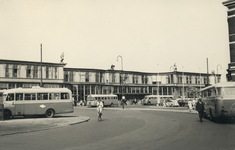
(7, 114)
(112, 105)
(50, 113)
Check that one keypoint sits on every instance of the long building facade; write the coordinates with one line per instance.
(82, 82)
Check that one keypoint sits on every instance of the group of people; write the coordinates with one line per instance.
(77, 102)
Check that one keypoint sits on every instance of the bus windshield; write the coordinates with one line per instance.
(229, 91)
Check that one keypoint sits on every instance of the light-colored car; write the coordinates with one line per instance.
(172, 103)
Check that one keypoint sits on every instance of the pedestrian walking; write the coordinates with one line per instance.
(75, 102)
(123, 102)
(200, 108)
(190, 106)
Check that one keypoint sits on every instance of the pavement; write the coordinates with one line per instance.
(19, 125)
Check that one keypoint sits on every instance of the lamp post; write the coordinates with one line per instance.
(200, 81)
(157, 80)
(217, 70)
(41, 67)
(183, 82)
(213, 73)
(121, 73)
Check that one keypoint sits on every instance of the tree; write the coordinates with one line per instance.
(193, 91)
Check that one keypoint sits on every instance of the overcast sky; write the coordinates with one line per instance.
(92, 33)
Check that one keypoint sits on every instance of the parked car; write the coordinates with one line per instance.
(182, 102)
(172, 103)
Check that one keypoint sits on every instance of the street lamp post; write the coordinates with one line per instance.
(121, 73)
(157, 80)
(217, 70)
(183, 82)
(200, 80)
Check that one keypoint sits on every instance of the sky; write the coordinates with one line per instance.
(149, 35)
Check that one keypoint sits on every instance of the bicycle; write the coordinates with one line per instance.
(99, 116)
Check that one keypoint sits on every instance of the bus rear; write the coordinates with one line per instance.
(226, 102)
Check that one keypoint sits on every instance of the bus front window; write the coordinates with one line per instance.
(10, 97)
(219, 91)
(229, 91)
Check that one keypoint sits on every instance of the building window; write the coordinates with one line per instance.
(205, 80)
(169, 91)
(101, 77)
(146, 80)
(133, 90)
(190, 79)
(129, 89)
(71, 76)
(35, 72)
(97, 77)
(56, 72)
(28, 72)
(168, 79)
(47, 72)
(7, 70)
(14, 71)
(164, 90)
(87, 76)
(66, 76)
(179, 79)
(92, 89)
(115, 89)
(113, 77)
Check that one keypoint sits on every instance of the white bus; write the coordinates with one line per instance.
(219, 101)
(156, 99)
(37, 101)
(108, 100)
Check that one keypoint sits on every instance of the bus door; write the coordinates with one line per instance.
(30, 105)
(66, 105)
(19, 104)
(8, 101)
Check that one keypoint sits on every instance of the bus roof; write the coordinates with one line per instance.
(221, 84)
(159, 96)
(36, 90)
(102, 95)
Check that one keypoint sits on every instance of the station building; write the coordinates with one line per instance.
(230, 4)
(82, 82)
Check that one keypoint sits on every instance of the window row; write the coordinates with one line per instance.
(31, 71)
(105, 98)
(37, 96)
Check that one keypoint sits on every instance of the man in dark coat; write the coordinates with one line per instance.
(123, 102)
(200, 108)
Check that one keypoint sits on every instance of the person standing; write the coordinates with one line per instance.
(190, 106)
(200, 108)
